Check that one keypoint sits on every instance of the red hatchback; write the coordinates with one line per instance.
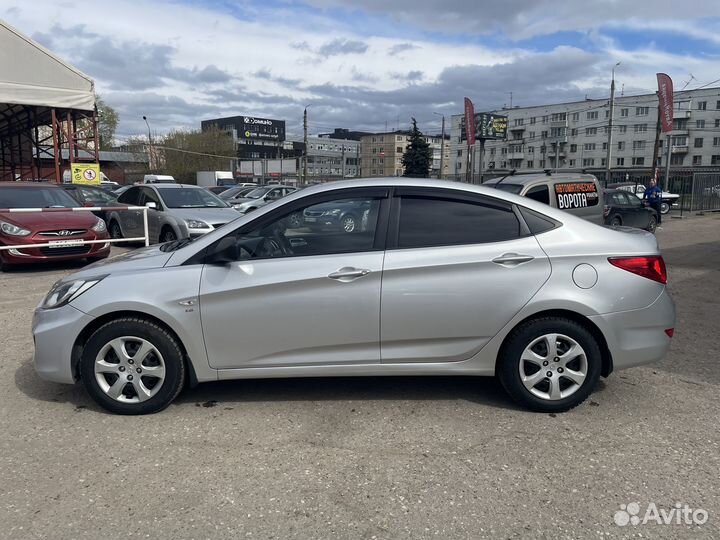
(64, 230)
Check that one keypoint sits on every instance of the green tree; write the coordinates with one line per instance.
(183, 153)
(417, 159)
(107, 123)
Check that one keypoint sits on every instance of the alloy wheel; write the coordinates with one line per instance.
(129, 369)
(348, 224)
(553, 367)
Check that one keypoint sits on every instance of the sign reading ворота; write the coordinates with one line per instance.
(85, 173)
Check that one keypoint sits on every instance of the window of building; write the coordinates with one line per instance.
(529, 164)
(399, 150)
(559, 117)
(571, 163)
(590, 131)
(680, 123)
(459, 152)
(607, 114)
(532, 120)
(697, 160)
(640, 128)
(576, 116)
(700, 124)
(698, 142)
(544, 134)
(435, 221)
(573, 148)
(717, 105)
(679, 140)
(622, 129)
(717, 122)
(531, 149)
(638, 161)
(624, 112)
(714, 160)
(702, 105)
(592, 115)
(574, 132)
(589, 146)
(677, 159)
(638, 145)
(492, 151)
(642, 111)
(604, 146)
(621, 145)
(503, 151)
(519, 121)
(620, 162)
(544, 119)
(603, 161)
(716, 141)
(588, 162)
(542, 163)
(543, 149)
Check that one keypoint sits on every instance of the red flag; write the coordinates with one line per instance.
(469, 122)
(665, 95)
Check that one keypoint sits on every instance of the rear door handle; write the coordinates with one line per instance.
(512, 259)
(348, 273)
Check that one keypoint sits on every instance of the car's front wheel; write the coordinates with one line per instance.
(652, 224)
(550, 364)
(132, 366)
(664, 207)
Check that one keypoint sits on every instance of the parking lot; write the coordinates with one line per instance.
(369, 457)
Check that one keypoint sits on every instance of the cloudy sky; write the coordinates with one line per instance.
(365, 64)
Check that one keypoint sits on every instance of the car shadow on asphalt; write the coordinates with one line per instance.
(47, 266)
(479, 390)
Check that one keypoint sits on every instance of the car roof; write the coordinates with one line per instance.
(172, 186)
(28, 184)
(524, 179)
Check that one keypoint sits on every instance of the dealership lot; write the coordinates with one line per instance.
(369, 458)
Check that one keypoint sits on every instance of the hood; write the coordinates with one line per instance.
(46, 221)
(208, 215)
(138, 259)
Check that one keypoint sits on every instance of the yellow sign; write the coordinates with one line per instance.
(85, 173)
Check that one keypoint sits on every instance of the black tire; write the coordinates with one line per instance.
(115, 230)
(295, 220)
(158, 337)
(167, 235)
(652, 223)
(616, 221)
(508, 367)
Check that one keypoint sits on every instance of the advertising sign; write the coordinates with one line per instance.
(576, 195)
(262, 128)
(85, 173)
(469, 120)
(665, 95)
(488, 126)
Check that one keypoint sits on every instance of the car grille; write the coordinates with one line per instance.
(61, 252)
(63, 232)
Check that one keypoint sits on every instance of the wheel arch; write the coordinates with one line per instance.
(607, 361)
(96, 323)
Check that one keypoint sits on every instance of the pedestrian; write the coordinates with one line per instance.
(653, 194)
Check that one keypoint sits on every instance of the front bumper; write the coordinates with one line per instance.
(54, 333)
(638, 337)
(40, 255)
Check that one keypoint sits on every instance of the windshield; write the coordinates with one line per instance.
(235, 192)
(96, 195)
(258, 192)
(510, 188)
(190, 198)
(35, 197)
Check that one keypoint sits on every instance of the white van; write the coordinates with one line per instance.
(158, 179)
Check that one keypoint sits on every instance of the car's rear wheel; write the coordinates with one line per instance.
(167, 235)
(349, 223)
(295, 220)
(115, 230)
(664, 207)
(132, 366)
(652, 224)
(550, 364)
(616, 221)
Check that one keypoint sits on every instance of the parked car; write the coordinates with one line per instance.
(63, 230)
(667, 202)
(217, 190)
(158, 179)
(176, 211)
(623, 208)
(346, 216)
(91, 196)
(579, 194)
(259, 197)
(235, 193)
(447, 279)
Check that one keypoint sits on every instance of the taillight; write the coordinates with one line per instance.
(651, 267)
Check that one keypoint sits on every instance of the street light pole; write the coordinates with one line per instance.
(442, 146)
(150, 145)
(305, 142)
(608, 155)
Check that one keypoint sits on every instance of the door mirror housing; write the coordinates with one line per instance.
(224, 252)
(151, 205)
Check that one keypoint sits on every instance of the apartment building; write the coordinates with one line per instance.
(575, 135)
(381, 154)
(337, 158)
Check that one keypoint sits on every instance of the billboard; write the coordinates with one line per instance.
(250, 128)
(488, 126)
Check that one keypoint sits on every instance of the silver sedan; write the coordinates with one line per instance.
(440, 279)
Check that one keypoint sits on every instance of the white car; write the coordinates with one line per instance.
(668, 199)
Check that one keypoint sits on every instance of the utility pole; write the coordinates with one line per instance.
(442, 146)
(656, 147)
(608, 155)
(343, 160)
(150, 145)
(305, 152)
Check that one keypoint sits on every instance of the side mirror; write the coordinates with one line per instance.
(151, 205)
(224, 252)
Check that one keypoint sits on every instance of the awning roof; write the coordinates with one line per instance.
(32, 75)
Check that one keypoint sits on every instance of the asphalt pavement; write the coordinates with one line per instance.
(371, 458)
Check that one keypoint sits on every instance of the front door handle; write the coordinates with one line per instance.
(512, 259)
(348, 273)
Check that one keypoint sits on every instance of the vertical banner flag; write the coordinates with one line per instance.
(665, 95)
(469, 122)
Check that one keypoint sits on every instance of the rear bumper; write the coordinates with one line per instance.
(638, 336)
(54, 333)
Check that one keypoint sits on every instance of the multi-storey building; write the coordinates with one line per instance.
(575, 135)
(332, 158)
(381, 154)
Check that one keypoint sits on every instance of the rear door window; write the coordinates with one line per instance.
(539, 193)
(131, 196)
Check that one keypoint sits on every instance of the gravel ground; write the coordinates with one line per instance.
(370, 458)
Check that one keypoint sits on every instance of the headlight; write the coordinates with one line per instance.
(9, 228)
(335, 212)
(195, 224)
(67, 291)
(99, 226)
